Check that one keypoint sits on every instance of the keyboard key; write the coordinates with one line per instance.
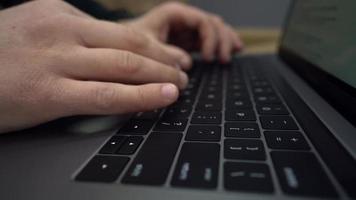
(103, 169)
(272, 109)
(286, 140)
(152, 163)
(262, 90)
(300, 173)
(130, 145)
(211, 96)
(236, 104)
(240, 115)
(150, 115)
(136, 127)
(278, 123)
(203, 133)
(242, 130)
(198, 166)
(267, 99)
(200, 117)
(113, 145)
(244, 149)
(177, 112)
(249, 177)
(171, 124)
(209, 106)
(184, 101)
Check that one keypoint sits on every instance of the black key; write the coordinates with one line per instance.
(267, 99)
(278, 123)
(150, 115)
(209, 106)
(152, 163)
(136, 127)
(238, 95)
(211, 96)
(279, 109)
(242, 130)
(286, 140)
(200, 117)
(203, 133)
(236, 87)
(113, 145)
(103, 169)
(238, 103)
(172, 124)
(198, 166)
(177, 112)
(240, 115)
(244, 149)
(184, 101)
(250, 177)
(262, 83)
(300, 173)
(130, 145)
(263, 90)
(188, 93)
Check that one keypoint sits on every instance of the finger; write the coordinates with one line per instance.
(184, 59)
(225, 39)
(238, 44)
(102, 34)
(121, 66)
(87, 97)
(197, 20)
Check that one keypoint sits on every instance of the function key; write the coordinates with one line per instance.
(278, 123)
(250, 177)
(200, 117)
(197, 166)
(103, 169)
(279, 109)
(130, 145)
(240, 115)
(300, 173)
(171, 124)
(203, 133)
(286, 140)
(113, 145)
(136, 127)
(244, 149)
(242, 130)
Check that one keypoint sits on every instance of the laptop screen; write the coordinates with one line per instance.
(323, 32)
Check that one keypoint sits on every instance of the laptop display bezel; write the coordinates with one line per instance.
(336, 92)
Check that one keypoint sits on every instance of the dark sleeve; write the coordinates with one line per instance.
(89, 6)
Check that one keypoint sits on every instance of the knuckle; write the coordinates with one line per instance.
(141, 102)
(104, 98)
(130, 63)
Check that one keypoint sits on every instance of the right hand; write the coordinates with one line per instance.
(57, 61)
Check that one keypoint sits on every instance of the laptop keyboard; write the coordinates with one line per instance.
(229, 122)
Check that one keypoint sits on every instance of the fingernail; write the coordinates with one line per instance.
(169, 91)
(183, 79)
(185, 61)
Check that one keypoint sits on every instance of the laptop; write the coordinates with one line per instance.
(261, 127)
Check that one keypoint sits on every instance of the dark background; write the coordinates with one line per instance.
(262, 13)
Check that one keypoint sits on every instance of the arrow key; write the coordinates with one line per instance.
(130, 146)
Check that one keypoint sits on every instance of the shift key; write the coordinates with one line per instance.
(151, 165)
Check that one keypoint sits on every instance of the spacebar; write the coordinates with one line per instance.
(151, 165)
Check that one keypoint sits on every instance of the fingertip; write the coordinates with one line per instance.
(185, 62)
(169, 92)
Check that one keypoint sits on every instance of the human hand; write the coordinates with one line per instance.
(188, 28)
(57, 61)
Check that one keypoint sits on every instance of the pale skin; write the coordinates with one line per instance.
(57, 61)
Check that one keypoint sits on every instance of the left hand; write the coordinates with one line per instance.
(188, 28)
